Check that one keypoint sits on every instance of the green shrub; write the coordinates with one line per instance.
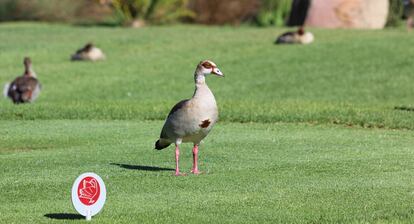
(273, 12)
(153, 11)
(395, 13)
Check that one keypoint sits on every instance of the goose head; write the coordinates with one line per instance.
(304, 37)
(88, 47)
(301, 31)
(207, 67)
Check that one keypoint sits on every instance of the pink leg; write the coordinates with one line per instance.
(177, 157)
(195, 160)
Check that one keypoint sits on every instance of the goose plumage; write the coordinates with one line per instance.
(88, 53)
(299, 37)
(192, 119)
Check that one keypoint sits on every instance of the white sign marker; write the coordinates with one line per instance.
(88, 194)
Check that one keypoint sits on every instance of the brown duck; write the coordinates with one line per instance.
(25, 88)
(88, 53)
(298, 37)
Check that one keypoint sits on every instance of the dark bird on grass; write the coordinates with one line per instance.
(88, 53)
(25, 88)
(298, 37)
(192, 119)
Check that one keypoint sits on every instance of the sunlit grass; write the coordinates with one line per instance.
(348, 77)
(277, 154)
(254, 173)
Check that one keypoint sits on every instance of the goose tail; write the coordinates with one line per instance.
(6, 89)
(161, 144)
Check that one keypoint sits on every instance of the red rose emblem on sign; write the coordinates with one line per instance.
(88, 191)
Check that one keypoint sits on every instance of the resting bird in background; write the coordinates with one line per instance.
(25, 88)
(192, 119)
(88, 53)
(298, 37)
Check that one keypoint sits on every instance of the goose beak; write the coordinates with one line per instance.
(217, 72)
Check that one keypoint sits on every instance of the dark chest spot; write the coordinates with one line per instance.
(205, 123)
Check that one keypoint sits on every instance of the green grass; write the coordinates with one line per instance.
(255, 173)
(350, 77)
(291, 145)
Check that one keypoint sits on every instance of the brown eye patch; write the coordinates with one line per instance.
(207, 65)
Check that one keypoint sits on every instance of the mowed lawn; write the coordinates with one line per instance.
(254, 173)
(307, 134)
(350, 77)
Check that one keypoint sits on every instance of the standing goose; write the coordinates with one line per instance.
(88, 53)
(192, 119)
(25, 88)
(298, 37)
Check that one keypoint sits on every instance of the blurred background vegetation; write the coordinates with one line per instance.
(395, 13)
(141, 12)
(273, 12)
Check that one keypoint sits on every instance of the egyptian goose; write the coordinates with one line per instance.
(25, 88)
(192, 119)
(298, 37)
(88, 53)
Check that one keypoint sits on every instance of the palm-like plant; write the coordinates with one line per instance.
(274, 12)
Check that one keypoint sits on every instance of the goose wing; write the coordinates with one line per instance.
(172, 124)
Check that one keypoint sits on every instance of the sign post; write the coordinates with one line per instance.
(88, 194)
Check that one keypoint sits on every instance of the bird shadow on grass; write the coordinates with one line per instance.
(141, 167)
(62, 216)
(404, 108)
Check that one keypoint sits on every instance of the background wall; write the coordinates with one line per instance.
(370, 14)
